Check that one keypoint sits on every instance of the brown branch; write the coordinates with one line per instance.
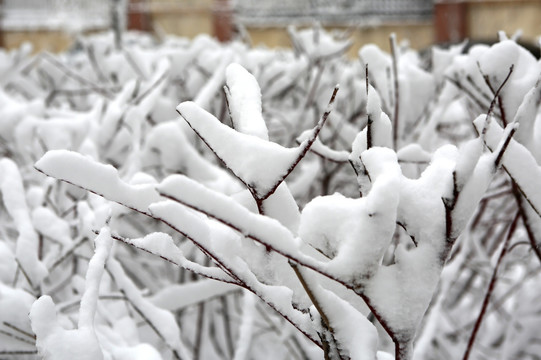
(185, 266)
(67, 253)
(326, 322)
(242, 283)
(74, 75)
(290, 257)
(315, 84)
(199, 331)
(151, 88)
(307, 145)
(493, 102)
(526, 220)
(369, 119)
(19, 330)
(18, 338)
(491, 287)
(461, 87)
(227, 327)
(495, 93)
(150, 324)
(18, 352)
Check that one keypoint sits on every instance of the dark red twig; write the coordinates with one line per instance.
(491, 287)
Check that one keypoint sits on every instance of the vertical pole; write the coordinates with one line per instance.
(116, 22)
(2, 11)
(450, 21)
(222, 20)
(139, 15)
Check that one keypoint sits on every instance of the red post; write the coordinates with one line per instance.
(450, 21)
(222, 20)
(138, 15)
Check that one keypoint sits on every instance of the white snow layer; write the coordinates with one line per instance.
(98, 178)
(94, 273)
(518, 161)
(13, 195)
(354, 333)
(245, 102)
(56, 343)
(258, 163)
(179, 296)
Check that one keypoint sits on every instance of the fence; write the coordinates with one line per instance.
(70, 15)
(275, 12)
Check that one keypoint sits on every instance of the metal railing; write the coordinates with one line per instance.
(267, 12)
(71, 15)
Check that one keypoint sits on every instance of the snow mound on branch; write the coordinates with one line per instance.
(245, 102)
(56, 343)
(256, 162)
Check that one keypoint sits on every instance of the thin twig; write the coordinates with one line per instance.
(75, 76)
(493, 102)
(526, 220)
(369, 119)
(19, 330)
(18, 338)
(491, 287)
(151, 324)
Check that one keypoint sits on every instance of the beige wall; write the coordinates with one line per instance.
(54, 41)
(419, 35)
(487, 18)
(185, 18)
(192, 17)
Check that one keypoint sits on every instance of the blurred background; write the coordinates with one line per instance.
(54, 24)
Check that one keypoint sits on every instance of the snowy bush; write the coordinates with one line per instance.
(396, 213)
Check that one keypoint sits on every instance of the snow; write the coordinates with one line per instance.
(245, 102)
(262, 224)
(525, 117)
(368, 226)
(281, 205)
(160, 320)
(381, 124)
(246, 326)
(179, 296)
(55, 342)
(139, 352)
(205, 95)
(379, 63)
(226, 210)
(101, 179)
(94, 273)
(317, 43)
(323, 150)
(47, 223)
(468, 157)
(413, 153)
(305, 175)
(18, 303)
(26, 252)
(167, 146)
(354, 332)
(260, 163)
(159, 244)
(8, 264)
(518, 161)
